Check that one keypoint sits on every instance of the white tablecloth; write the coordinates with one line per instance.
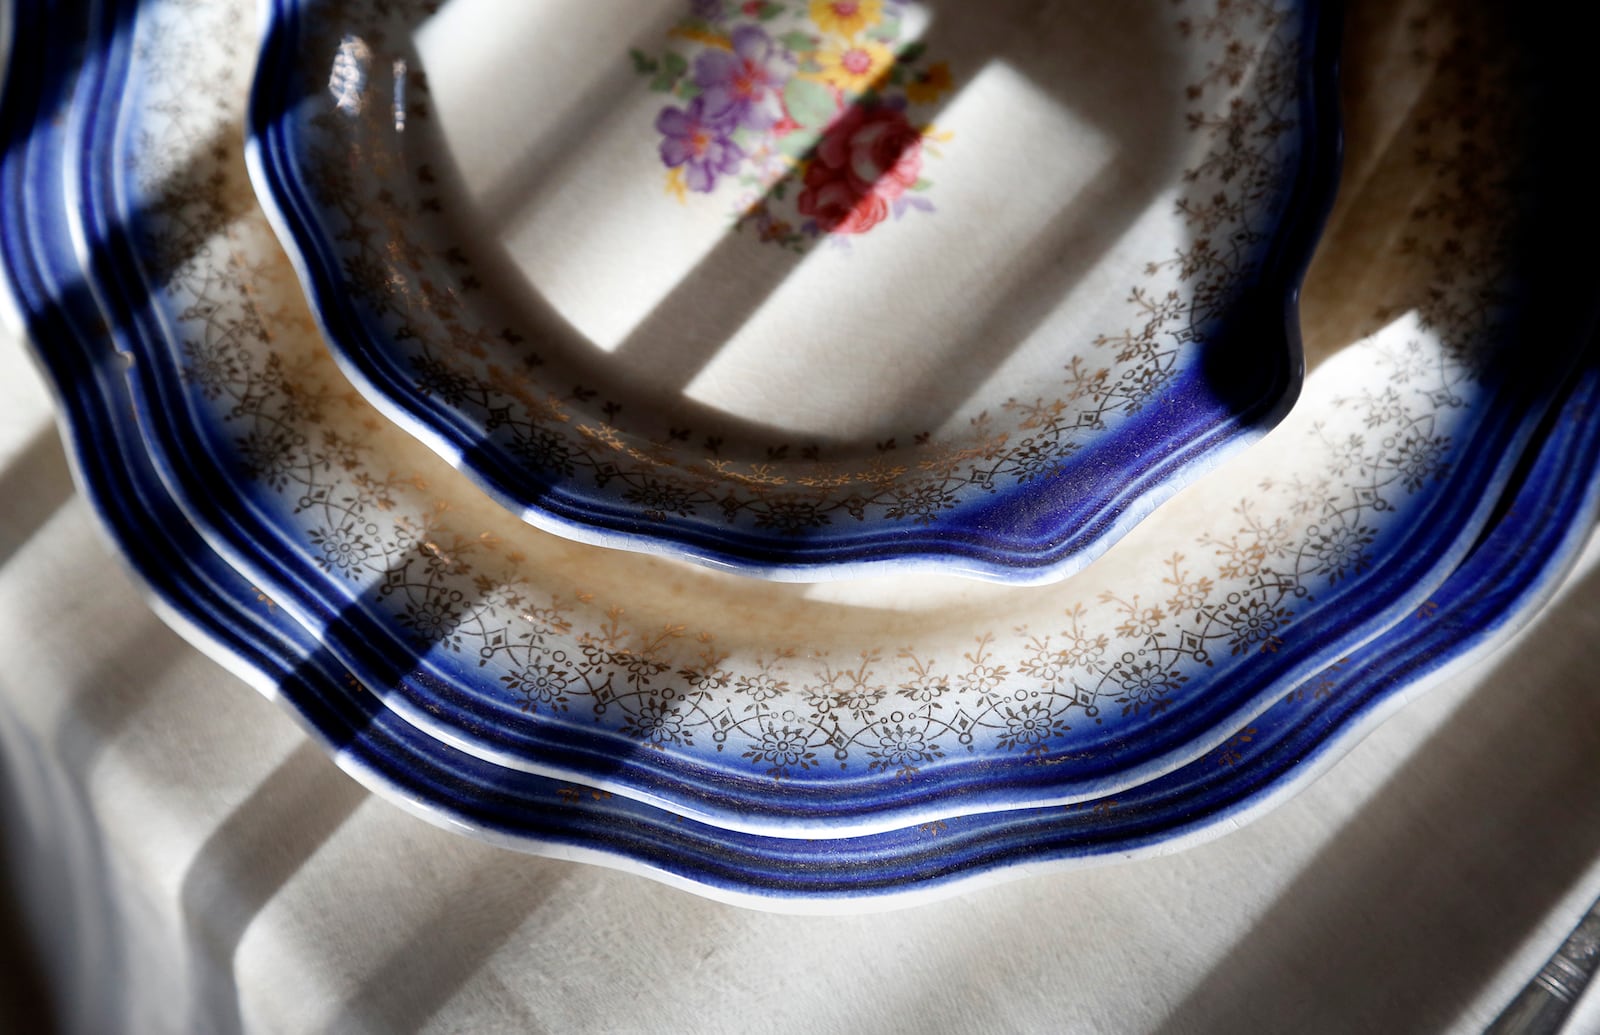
(182, 858)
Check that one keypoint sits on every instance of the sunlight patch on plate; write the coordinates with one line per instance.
(835, 349)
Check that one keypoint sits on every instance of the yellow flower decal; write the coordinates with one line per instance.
(676, 186)
(855, 67)
(925, 87)
(846, 17)
(694, 34)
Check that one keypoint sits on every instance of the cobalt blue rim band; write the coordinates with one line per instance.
(1157, 454)
(599, 757)
(1498, 582)
(369, 649)
(173, 568)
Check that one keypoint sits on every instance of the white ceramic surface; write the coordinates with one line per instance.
(865, 705)
(671, 276)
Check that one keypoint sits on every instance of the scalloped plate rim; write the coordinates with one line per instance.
(955, 548)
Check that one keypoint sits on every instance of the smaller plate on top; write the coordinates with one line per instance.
(809, 290)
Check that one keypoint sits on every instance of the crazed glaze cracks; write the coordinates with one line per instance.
(1093, 665)
(388, 245)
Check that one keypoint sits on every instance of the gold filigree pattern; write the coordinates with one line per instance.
(387, 243)
(1067, 671)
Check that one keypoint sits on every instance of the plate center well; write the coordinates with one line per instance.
(832, 222)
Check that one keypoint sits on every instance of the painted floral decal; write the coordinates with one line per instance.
(802, 105)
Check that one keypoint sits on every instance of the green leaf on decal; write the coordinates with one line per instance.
(798, 42)
(797, 145)
(809, 103)
(887, 30)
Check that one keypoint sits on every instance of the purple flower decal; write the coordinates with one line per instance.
(698, 143)
(710, 10)
(745, 86)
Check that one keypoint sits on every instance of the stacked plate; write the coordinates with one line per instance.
(816, 453)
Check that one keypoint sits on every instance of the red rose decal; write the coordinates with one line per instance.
(835, 205)
(867, 159)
